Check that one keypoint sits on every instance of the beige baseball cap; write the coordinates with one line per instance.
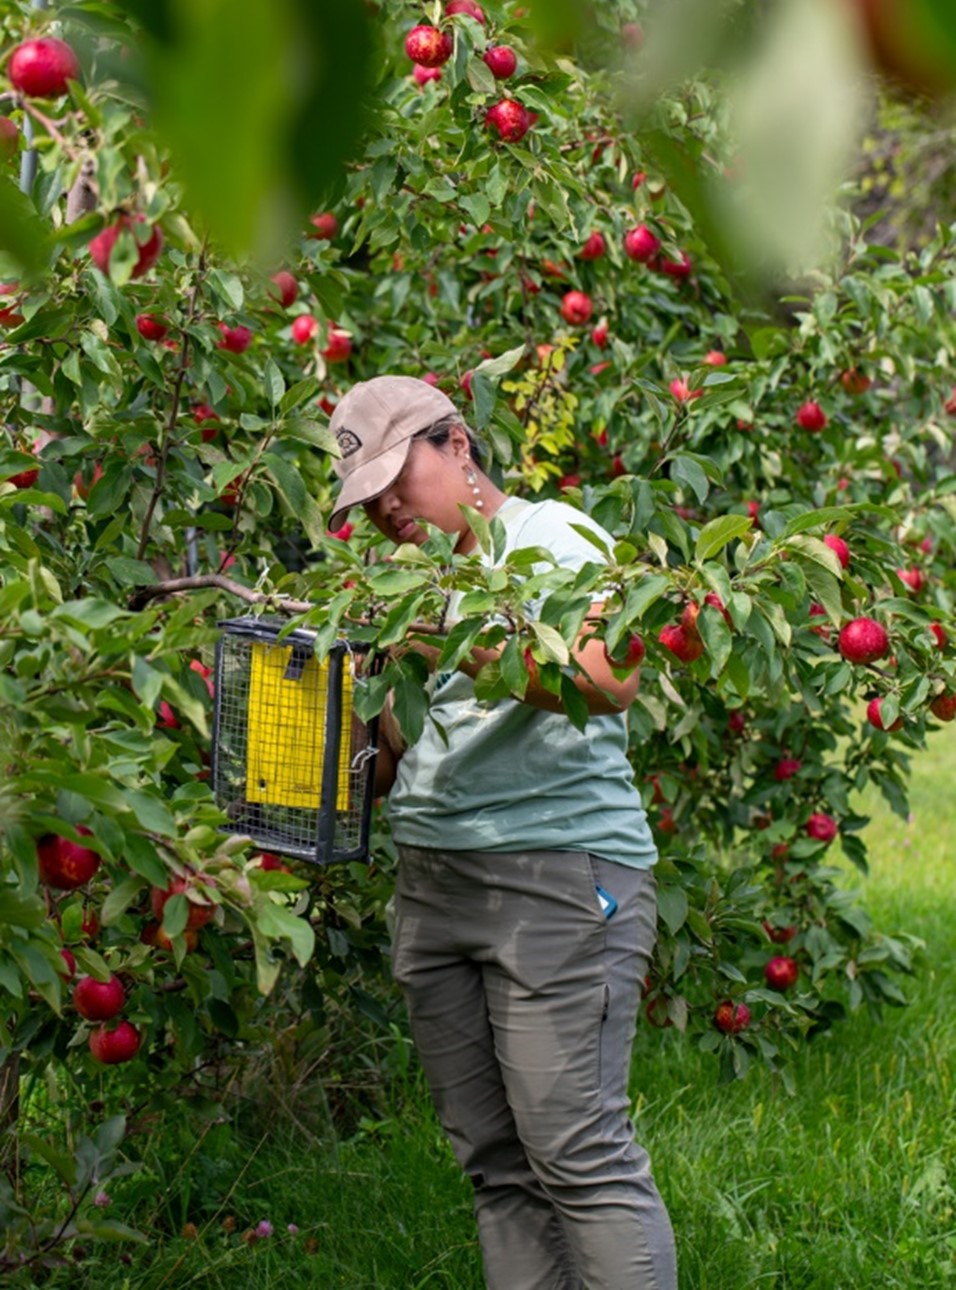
(374, 425)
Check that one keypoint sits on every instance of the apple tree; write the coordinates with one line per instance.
(495, 217)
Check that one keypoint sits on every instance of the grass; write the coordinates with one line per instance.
(849, 1184)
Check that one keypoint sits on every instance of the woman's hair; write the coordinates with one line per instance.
(439, 431)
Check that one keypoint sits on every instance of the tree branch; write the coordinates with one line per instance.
(143, 595)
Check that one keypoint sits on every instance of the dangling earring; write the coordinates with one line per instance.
(471, 479)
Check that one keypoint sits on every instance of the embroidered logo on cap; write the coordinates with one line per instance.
(348, 441)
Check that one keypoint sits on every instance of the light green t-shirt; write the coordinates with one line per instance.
(512, 777)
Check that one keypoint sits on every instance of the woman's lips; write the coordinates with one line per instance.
(404, 529)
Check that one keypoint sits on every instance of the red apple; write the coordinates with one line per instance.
(101, 246)
(817, 611)
(786, 768)
(24, 478)
(326, 226)
(715, 602)
(234, 339)
(99, 1000)
(839, 548)
(632, 34)
(111, 1047)
(468, 7)
(736, 722)
(875, 717)
(594, 247)
(423, 75)
(854, 381)
(576, 307)
(198, 916)
(206, 416)
(944, 706)
(731, 1018)
(63, 864)
(679, 269)
(781, 972)
(599, 334)
(269, 861)
(285, 287)
(150, 327)
(502, 61)
(69, 964)
(41, 68)
(338, 346)
(342, 534)
(915, 579)
(715, 358)
(510, 119)
(200, 668)
(304, 329)
(665, 821)
(166, 718)
(821, 827)
(810, 416)
(779, 935)
(685, 644)
(641, 244)
(939, 633)
(428, 46)
(681, 390)
(863, 640)
(631, 656)
(9, 138)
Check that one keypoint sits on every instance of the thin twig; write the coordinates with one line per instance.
(170, 426)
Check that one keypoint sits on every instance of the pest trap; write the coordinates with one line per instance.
(292, 765)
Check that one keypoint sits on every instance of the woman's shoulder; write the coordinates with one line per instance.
(544, 522)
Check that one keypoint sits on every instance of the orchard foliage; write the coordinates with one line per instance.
(165, 410)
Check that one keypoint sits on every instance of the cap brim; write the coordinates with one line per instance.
(369, 481)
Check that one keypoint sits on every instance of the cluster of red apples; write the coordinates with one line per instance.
(43, 68)
(65, 865)
(430, 48)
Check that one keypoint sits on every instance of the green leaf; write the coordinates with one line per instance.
(685, 470)
(175, 914)
(228, 287)
(410, 706)
(300, 393)
(151, 813)
(119, 899)
(551, 643)
(22, 236)
(672, 907)
(476, 205)
(279, 922)
(503, 364)
(718, 533)
(274, 383)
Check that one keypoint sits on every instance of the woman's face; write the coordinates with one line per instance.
(430, 486)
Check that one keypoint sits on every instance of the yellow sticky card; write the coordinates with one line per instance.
(287, 720)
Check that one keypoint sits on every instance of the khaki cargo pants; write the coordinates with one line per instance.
(523, 1000)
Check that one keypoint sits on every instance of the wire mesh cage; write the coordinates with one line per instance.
(292, 765)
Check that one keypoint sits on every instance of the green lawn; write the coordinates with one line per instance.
(849, 1184)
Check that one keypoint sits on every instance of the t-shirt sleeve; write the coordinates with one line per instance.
(552, 526)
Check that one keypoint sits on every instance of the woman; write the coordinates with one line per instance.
(525, 902)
